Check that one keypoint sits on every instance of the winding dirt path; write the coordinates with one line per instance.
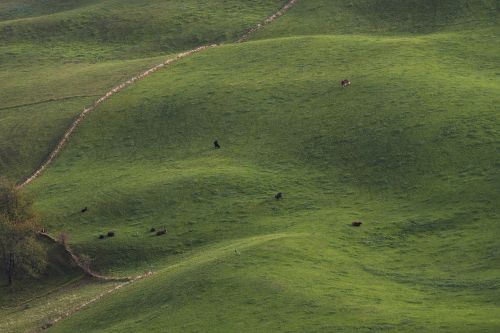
(69, 132)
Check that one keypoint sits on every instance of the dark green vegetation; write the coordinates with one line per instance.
(21, 253)
(411, 149)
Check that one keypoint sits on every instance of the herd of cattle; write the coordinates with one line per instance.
(159, 232)
(279, 196)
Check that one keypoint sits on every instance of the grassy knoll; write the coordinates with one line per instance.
(405, 149)
(35, 308)
(278, 125)
(387, 17)
(410, 149)
(53, 50)
(30, 304)
(293, 284)
(35, 111)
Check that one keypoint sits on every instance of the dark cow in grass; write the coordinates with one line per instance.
(356, 224)
(216, 144)
(84, 209)
(345, 83)
(161, 232)
(278, 196)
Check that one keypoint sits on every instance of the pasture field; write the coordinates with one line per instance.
(56, 57)
(411, 149)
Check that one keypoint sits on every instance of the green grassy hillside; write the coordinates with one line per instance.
(387, 17)
(131, 28)
(29, 304)
(146, 156)
(17, 9)
(411, 148)
(293, 284)
(58, 56)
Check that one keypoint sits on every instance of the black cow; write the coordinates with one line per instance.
(345, 83)
(278, 196)
(84, 209)
(216, 144)
(356, 224)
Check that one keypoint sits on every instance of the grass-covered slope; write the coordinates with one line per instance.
(29, 304)
(40, 102)
(412, 131)
(289, 283)
(124, 29)
(58, 56)
(410, 149)
(17, 9)
(387, 17)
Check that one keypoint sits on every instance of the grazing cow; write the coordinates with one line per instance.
(161, 232)
(356, 224)
(84, 209)
(216, 144)
(111, 234)
(152, 230)
(101, 236)
(345, 83)
(278, 196)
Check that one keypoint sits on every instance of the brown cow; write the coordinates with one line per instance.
(161, 232)
(356, 224)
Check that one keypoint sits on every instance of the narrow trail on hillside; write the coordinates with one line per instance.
(50, 100)
(68, 313)
(123, 281)
(69, 132)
